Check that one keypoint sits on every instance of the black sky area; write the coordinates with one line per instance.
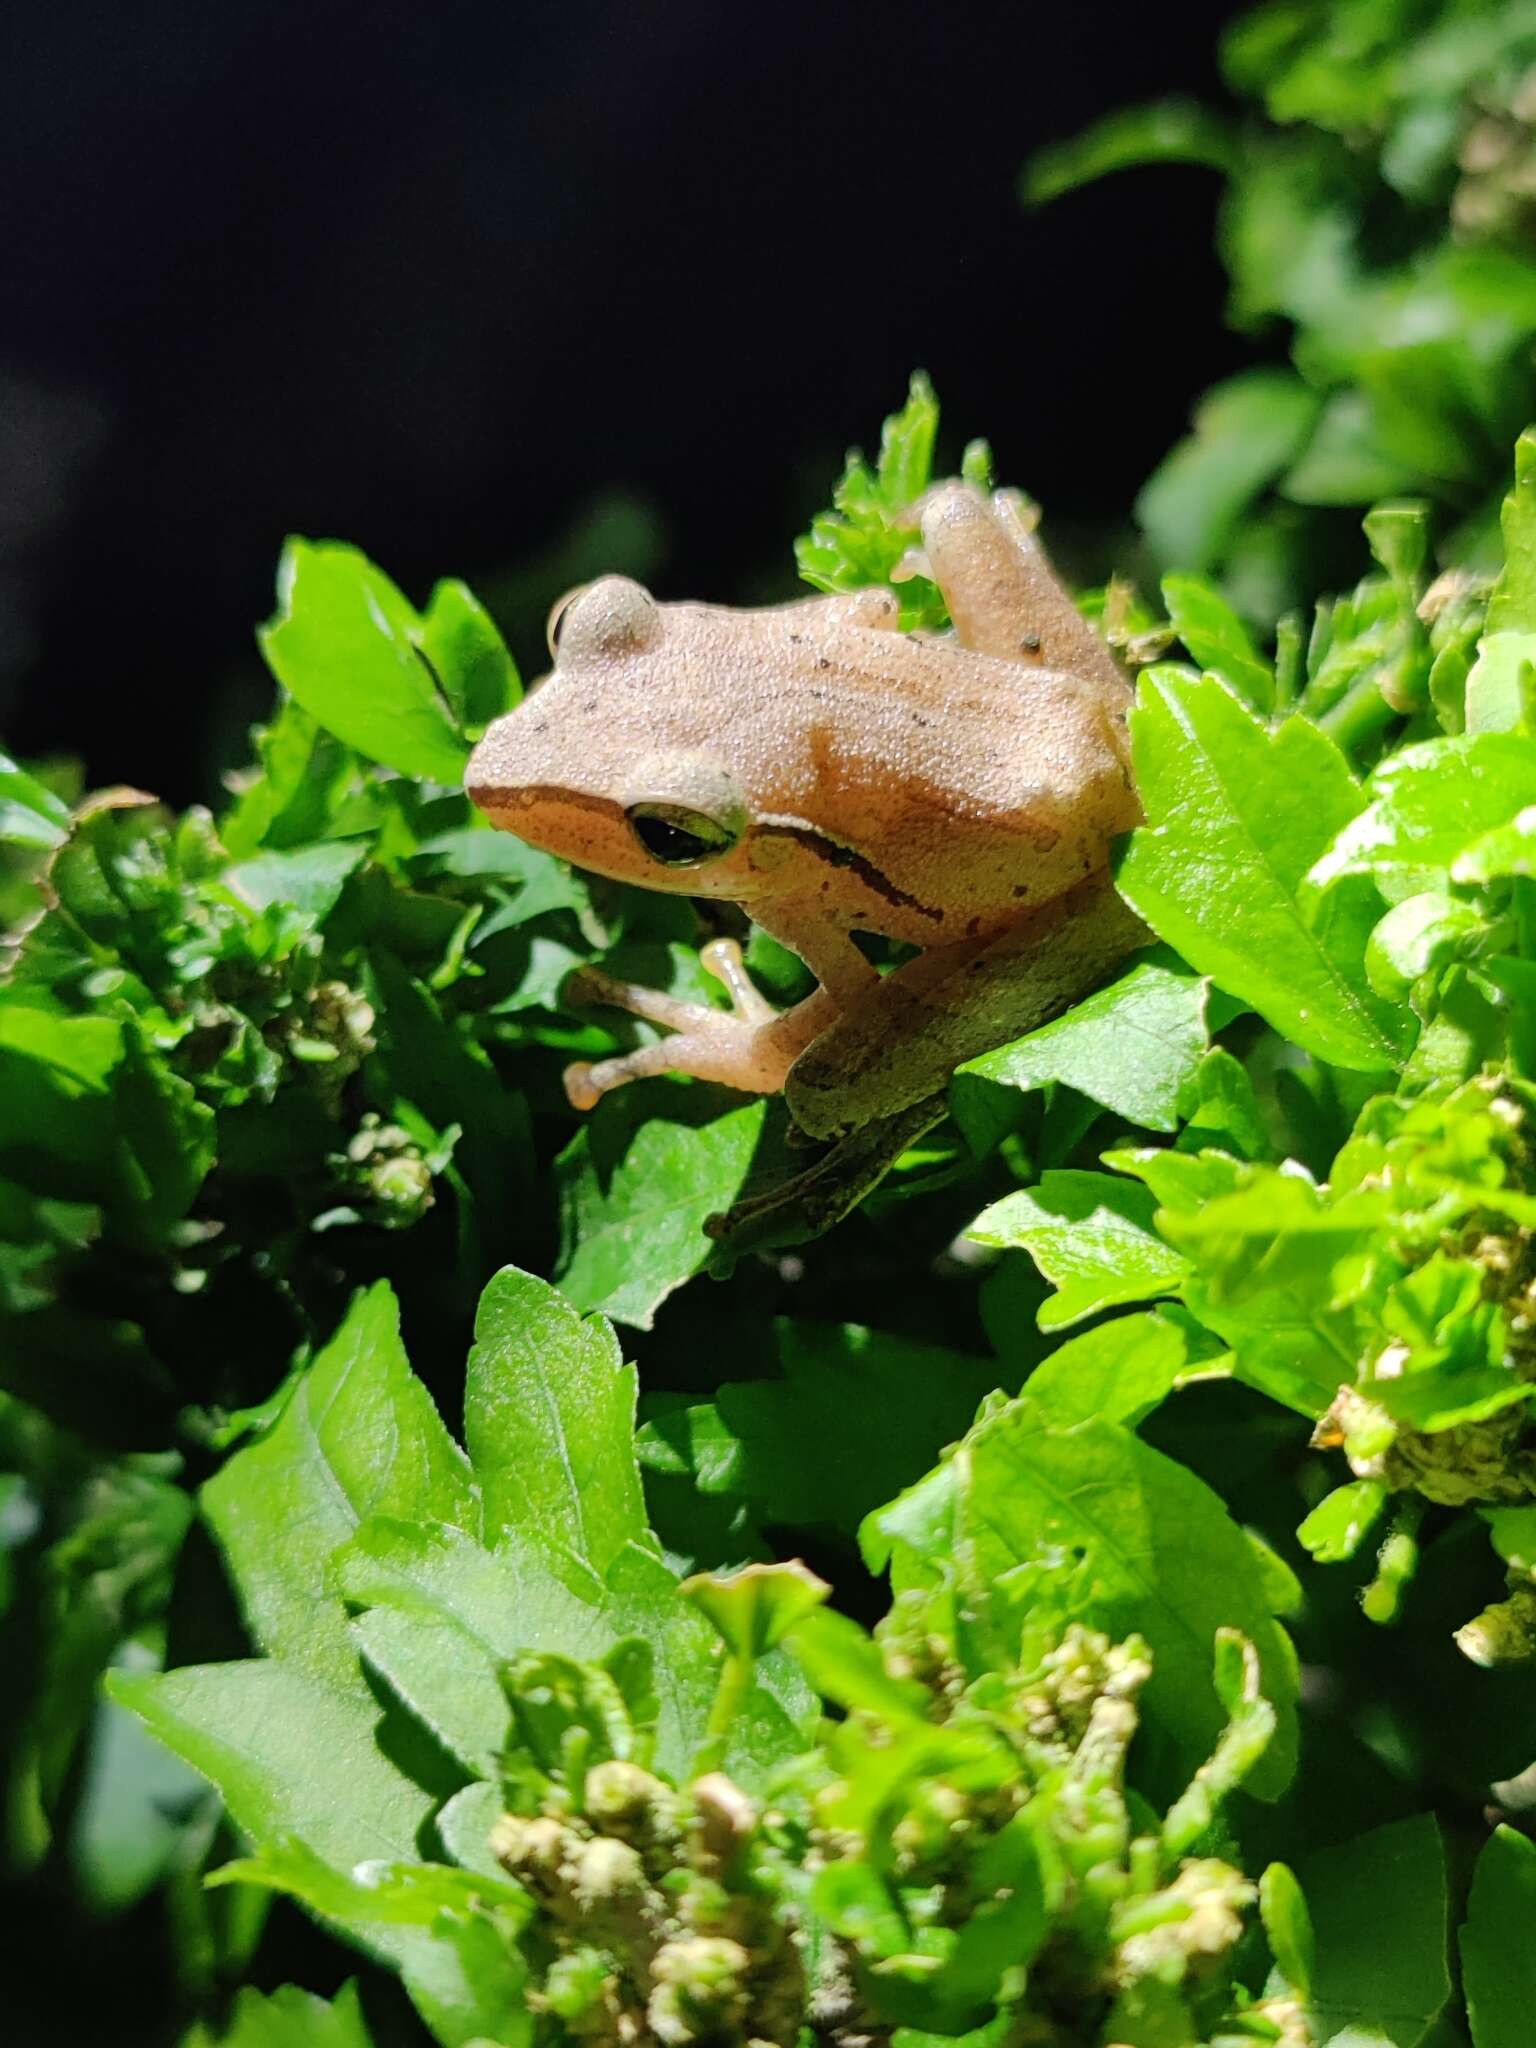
(432, 278)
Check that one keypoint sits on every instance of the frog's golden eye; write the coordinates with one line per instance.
(679, 837)
(556, 619)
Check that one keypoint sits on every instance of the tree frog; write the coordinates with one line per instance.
(833, 775)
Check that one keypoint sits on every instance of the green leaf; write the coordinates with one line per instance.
(347, 646)
(1342, 1520)
(1089, 1233)
(1219, 1103)
(846, 1665)
(439, 1068)
(444, 1674)
(1379, 1907)
(310, 878)
(1236, 817)
(1506, 850)
(1162, 132)
(752, 1610)
(1156, 1553)
(1131, 1048)
(549, 1416)
(30, 814)
(305, 774)
(856, 1416)
(358, 1436)
(1513, 1534)
(1426, 803)
(450, 1932)
(1262, 1260)
(863, 539)
(515, 1599)
(1418, 935)
(1288, 1924)
(468, 656)
(1119, 1371)
(1217, 639)
(1498, 1942)
(634, 1195)
(1498, 689)
(1246, 431)
(290, 1755)
(443, 1613)
(287, 2018)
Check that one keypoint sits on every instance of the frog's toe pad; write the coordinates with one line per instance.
(579, 1091)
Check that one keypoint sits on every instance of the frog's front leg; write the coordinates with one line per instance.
(753, 1048)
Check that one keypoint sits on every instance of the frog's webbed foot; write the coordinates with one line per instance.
(809, 1203)
(752, 1048)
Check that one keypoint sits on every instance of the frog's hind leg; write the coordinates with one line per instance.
(752, 1048)
(900, 1045)
(1002, 593)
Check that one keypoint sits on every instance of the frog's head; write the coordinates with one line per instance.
(600, 763)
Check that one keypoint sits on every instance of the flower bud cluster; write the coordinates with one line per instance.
(385, 1172)
(1460, 1174)
(652, 1925)
(837, 1913)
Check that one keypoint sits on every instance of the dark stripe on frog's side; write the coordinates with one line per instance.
(825, 848)
(836, 855)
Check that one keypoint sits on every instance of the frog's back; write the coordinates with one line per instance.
(978, 787)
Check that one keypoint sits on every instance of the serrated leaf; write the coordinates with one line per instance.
(512, 1599)
(1217, 638)
(1261, 1264)
(1132, 1048)
(346, 644)
(287, 2018)
(290, 1755)
(468, 655)
(1425, 804)
(634, 1201)
(856, 1416)
(310, 878)
(1378, 1905)
(358, 1436)
(1499, 686)
(1237, 815)
(1092, 1235)
(1120, 1371)
(1498, 1942)
(449, 1931)
(1156, 1553)
(549, 1417)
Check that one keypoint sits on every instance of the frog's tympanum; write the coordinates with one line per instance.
(833, 775)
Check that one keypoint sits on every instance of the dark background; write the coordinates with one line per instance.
(435, 277)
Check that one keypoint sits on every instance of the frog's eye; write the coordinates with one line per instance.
(679, 837)
(613, 616)
(556, 620)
